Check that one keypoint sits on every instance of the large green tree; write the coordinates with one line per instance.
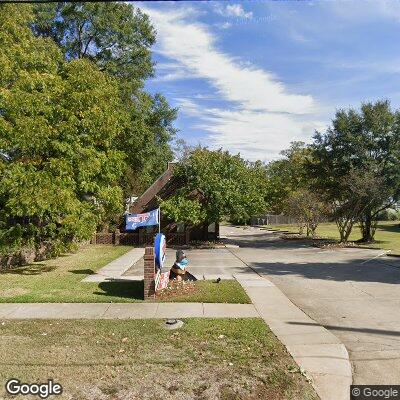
(356, 164)
(287, 175)
(308, 210)
(146, 141)
(118, 38)
(60, 169)
(216, 185)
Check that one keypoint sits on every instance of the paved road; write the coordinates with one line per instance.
(354, 293)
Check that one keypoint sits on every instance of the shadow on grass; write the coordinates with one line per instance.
(82, 271)
(31, 269)
(127, 289)
(395, 228)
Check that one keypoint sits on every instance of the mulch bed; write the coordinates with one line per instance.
(298, 236)
(324, 243)
(177, 289)
(194, 245)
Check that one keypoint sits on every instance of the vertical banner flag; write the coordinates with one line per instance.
(134, 221)
(160, 249)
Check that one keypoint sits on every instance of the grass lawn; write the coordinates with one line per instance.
(225, 359)
(59, 281)
(387, 235)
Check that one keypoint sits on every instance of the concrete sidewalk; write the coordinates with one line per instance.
(125, 310)
(115, 269)
(208, 264)
(317, 351)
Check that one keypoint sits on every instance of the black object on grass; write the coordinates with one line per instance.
(173, 323)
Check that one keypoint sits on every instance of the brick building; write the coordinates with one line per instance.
(177, 234)
(164, 187)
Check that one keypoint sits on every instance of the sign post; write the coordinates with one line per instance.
(159, 220)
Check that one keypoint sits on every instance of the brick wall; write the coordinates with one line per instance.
(149, 273)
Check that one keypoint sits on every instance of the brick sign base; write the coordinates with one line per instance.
(149, 273)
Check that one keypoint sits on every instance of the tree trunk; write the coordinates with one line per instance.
(347, 232)
(345, 227)
(367, 230)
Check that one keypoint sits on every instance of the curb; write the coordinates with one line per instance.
(319, 354)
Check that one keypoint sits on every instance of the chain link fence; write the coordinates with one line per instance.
(272, 219)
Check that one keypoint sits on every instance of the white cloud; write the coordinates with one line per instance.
(172, 72)
(225, 25)
(253, 134)
(264, 117)
(189, 107)
(174, 76)
(193, 46)
(232, 10)
(236, 10)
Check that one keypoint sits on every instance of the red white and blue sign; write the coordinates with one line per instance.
(163, 280)
(134, 221)
(160, 249)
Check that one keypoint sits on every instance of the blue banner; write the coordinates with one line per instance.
(134, 221)
(160, 249)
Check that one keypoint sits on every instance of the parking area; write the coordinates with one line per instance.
(353, 292)
(203, 264)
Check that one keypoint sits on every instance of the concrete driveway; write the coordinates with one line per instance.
(354, 293)
(207, 264)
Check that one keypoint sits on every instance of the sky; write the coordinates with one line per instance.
(252, 76)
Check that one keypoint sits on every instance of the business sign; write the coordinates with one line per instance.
(162, 280)
(160, 249)
(134, 221)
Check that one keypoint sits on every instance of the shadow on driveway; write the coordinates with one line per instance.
(351, 329)
(357, 270)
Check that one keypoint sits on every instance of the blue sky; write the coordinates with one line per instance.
(252, 76)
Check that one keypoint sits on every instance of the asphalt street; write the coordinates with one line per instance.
(352, 292)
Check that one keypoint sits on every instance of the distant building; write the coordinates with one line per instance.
(177, 233)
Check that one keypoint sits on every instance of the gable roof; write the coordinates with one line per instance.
(148, 199)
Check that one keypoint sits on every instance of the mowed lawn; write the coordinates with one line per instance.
(206, 359)
(387, 235)
(59, 281)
